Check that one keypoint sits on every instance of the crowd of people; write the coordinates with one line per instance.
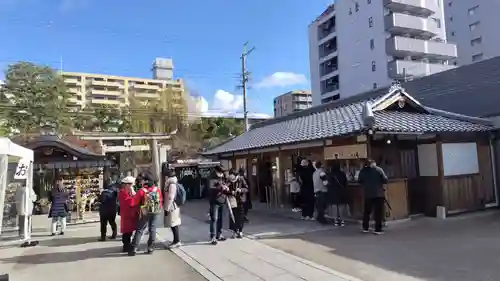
(314, 188)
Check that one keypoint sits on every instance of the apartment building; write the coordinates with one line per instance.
(100, 89)
(471, 26)
(291, 102)
(359, 45)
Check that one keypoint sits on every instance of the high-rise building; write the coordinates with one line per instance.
(101, 89)
(471, 26)
(359, 45)
(291, 102)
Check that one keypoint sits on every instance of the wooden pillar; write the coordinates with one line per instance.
(442, 199)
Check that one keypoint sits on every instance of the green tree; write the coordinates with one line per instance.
(34, 95)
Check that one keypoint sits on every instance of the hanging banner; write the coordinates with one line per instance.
(22, 169)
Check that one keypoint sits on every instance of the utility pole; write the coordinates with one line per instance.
(244, 79)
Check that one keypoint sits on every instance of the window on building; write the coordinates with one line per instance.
(375, 86)
(473, 26)
(369, 1)
(472, 11)
(477, 57)
(372, 44)
(374, 66)
(451, 18)
(350, 11)
(454, 63)
(453, 33)
(450, 3)
(437, 21)
(370, 22)
(356, 6)
(476, 41)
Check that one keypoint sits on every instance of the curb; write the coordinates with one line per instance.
(203, 271)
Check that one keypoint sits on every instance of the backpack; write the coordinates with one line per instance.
(180, 195)
(151, 203)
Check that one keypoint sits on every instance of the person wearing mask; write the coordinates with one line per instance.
(108, 208)
(217, 198)
(306, 171)
(139, 182)
(237, 201)
(321, 192)
(248, 197)
(59, 207)
(372, 179)
(338, 193)
(149, 199)
(172, 211)
(128, 212)
(24, 211)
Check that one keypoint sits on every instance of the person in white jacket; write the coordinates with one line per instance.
(172, 211)
(24, 209)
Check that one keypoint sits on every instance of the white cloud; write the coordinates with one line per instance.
(224, 104)
(282, 79)
(225, 101)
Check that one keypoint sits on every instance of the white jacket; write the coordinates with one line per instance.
(173, 216)
(20, 197)
(319, 183)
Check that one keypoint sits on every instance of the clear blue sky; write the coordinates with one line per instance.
(203, 37)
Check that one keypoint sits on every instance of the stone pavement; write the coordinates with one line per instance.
(78, 256)
(244, 259)
(461, 248)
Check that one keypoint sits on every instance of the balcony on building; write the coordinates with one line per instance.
(74, 101)
(147, 94)
(399, 46)
(330, 85)
(145, 86)
(328, 48)
(105, 92)
(106, 100)
(399, 24)
(328, 67)
(326, 28)
(415, 7)
(107, 83)
(408, 69)
(71, 80)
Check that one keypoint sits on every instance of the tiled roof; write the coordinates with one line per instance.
(345, 120)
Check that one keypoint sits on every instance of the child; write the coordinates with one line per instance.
(294, 194)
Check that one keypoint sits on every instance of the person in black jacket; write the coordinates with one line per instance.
(338, 193)
(306, 171)
(248, 204)
(107, 210)
(217, 196)
(372, 179)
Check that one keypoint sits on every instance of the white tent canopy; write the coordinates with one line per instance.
(8, 148)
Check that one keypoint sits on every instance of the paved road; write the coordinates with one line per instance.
(459, 249)
(78, 256)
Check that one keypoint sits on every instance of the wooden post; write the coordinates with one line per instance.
(441, 201)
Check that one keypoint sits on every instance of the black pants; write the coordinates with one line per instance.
(175, 234)
(127, 241)
(377, 206)
(321, 204)
(239, 218)
(105, 219)
(295, 200)
(308, 205)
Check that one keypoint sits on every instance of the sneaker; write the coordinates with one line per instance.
(53, 234)
(131, 253)
(174, 245)
(310, 219)
(365, 230)
(113, 237)
(150, 250)
(235, 235)
(239, 235)
(221, 238)
(378, 232)
(214, 241)
(102, 239)
(303, 218)
(62, 233)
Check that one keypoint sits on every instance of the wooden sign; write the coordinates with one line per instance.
(355, 151)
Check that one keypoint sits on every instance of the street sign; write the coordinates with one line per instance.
(22, 169)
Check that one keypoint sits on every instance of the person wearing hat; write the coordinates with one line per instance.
(128, 212)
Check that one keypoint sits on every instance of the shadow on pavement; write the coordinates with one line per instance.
(428, 249)
(68, 241)
(64, 257)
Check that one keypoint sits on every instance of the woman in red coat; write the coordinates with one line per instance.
(128, 211)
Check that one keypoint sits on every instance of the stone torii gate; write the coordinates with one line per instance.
(158, 152)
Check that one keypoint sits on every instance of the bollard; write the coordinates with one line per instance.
(4, 277)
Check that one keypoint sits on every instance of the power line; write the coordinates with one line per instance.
(244, 79)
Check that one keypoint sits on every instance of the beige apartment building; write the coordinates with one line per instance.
(291, 102)
(101, 89)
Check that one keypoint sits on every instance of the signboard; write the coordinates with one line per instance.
(22, 169)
